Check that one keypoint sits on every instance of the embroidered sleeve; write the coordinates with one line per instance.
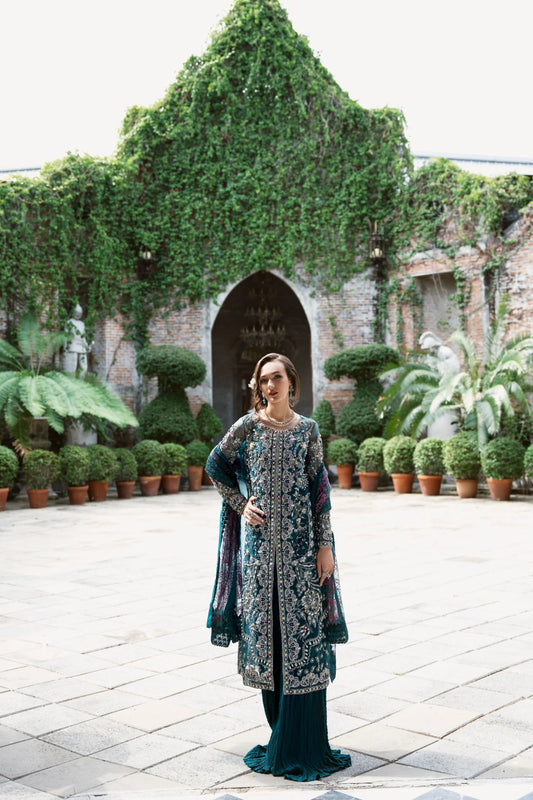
(225, 466)
(231, 495)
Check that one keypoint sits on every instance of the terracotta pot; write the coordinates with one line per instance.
(149, 485)
(171, 484)
(38, 497)
(206, 480)
(403, 482)
(500, 488)
(466, 487)
(125, 489)
(430, 484)
(369, 481)
(98, 490)
(345, 473)
(77, 495)
(3, 498)
(195, 478)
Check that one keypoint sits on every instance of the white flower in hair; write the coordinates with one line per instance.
(252, 384)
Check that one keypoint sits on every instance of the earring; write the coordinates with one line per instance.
(291, 396)
(264, 399)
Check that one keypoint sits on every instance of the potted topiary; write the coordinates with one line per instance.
(74, 463)
(150, 457)
(429, 465)
(370, 462)
(40, 468)
(175, 463)
(461, 459)
(126, 473)
(502, 461)
(209, 426)
(398, 461)
(197, 455)
(343, 453)
(102, 470)
(9, 465)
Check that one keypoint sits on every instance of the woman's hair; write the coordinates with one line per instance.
(257, 397)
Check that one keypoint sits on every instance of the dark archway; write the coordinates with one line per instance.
(260, 315)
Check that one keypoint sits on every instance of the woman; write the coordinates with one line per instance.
(278, 595)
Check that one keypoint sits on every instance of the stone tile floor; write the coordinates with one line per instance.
(109, 685)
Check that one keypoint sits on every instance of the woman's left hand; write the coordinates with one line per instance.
(324, 563)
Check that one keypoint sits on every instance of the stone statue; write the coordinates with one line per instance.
(76, 351)
(448, 365)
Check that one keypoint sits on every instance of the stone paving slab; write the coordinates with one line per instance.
(109, 686)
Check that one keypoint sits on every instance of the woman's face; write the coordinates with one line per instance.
(274, 382)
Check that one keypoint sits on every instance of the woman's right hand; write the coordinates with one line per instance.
(252, 513)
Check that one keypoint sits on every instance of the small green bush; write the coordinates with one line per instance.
(102, 463)
(342, 451)
(74, 461)
(528, 462)
(127, 466)
(9, 465)
(398, 455)
(168, 418)
(358, 419)
(197, 453)
(150, 457)
(360, 363)
(461, 457)
(175, 458)
(428, 457)
(172, 365)
(503, 458)
(40, 468)
(208, 424)
(370, 454)
(325, 419)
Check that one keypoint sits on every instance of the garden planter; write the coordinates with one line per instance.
(403, 482)
(206, 480)
(38, 498)
(430, 484)
(125, 489)
(195, 478)
(77, 495)
(3, 498)
(149, 485)
(98, 490)
(171, 484)
(466, 488)
(500, 488)
(369, 481)
(345, 472)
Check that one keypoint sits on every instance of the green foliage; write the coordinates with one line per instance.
(74, 463)
(342, 451)
(168, 418)
(126, 465)
(9, 465)
(173, 366)
(428, 458)
(208, 424)
(103, 464)
(370, 454)
(150, 457)
(503, 458)
(197, 453)
(175, 459)
(325, 419)
(398, 455)
(461, 456)
(40, 468)
(528, 462)
(360, 363)
(358, 419)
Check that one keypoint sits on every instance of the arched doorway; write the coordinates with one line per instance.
(260, 315)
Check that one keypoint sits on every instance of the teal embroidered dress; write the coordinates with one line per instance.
(267, 594)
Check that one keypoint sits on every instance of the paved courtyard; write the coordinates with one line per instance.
(109, 684)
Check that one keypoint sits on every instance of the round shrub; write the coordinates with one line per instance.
(398, 455)
(40, 468)
(358, 419)
(127, 466)
(208, 424)
(74, 462)
(325, 419)
(370, 454)
(428, 457)
(461, 457)
(360, 363)
(342, 451)
(9, 465)
(175, 458)
(172, 365)
(102, 463)
(168, 418)
(503, 458)
(528, 462)
(197, 453)
(150, 457)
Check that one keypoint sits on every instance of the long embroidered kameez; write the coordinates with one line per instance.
(267, 594)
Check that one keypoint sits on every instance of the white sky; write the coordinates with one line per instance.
(459, 69)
